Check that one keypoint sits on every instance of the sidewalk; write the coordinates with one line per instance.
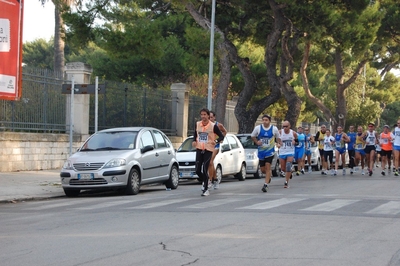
(30, 185)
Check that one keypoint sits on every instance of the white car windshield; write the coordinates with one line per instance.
(247, 142)
(122, 140)
(186, 146)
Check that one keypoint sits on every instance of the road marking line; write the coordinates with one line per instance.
(391, 207)
(272, 204)
(159, 204)
(213, 203)
(104, 205)
(50, 206)
(330, 205)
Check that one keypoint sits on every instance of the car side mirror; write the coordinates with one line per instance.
(225, 148)
(146, 149)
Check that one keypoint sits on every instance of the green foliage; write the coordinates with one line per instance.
(157, 43)
(391, 114)
(38, 53)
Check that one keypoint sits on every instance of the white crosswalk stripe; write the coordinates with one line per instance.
(391, 207)
(272, 204)
(104, 205)
(309, 204)
(330, 205)
(159, 204)
(213, 203)
(51, 206)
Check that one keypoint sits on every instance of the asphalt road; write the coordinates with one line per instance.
(319, 220)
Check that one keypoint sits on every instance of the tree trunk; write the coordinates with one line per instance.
(303, 72)
(224, 81)
(245, 115)
(286, 71)
(58, 40)
(341, 86)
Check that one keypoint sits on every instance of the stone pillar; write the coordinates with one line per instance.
(180, 108)
(81, 73)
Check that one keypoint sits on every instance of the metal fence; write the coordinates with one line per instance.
(41, 108)
(125, 104)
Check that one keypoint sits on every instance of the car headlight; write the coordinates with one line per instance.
(115, 163)
(251, 155)
(68, 165)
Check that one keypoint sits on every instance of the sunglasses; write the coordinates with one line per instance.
(285, 126)
(370, 126)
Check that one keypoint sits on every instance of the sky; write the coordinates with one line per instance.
(38, 20)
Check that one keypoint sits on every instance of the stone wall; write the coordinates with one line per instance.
(39, 151)
(34, 151)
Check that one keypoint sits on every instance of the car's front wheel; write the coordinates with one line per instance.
(258, 174)
(275, 170)
(71, 192)
(317, 167)
(173, 180)
(242, 174)
(133, 185)
(218, 174)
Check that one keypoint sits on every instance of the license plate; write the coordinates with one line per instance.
(85, 176)
(186, 174)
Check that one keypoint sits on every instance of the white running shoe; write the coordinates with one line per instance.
(309, 169)
(362, 172)
(344, 171)
(206, 193)
(216, 184)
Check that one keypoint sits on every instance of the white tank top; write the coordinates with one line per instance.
(396, 134)
(287, 147)
(371, 138)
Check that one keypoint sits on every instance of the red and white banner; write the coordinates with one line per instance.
(11, 14)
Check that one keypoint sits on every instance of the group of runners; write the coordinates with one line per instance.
(364, 148)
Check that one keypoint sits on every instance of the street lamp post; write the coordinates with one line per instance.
(211, 65)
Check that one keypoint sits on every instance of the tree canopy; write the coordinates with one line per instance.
(307, 60)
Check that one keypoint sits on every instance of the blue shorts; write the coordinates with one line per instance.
(307, 152)
(286, 156)
(341, 151)
(217, 146)
(362, 152)
(298, 154)
(396, 148)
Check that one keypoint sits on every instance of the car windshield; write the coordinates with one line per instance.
(186, 146)
(247, 142)
(121, 140)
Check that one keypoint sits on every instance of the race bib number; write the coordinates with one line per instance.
(384, 141)
(371, 140)
(265, 142)
(328, 145)
(203, 137)
(338, 144)
(359, 146)
(287, 143)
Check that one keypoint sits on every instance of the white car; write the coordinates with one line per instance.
(121, 158)
(316, 161)
(231, 159)
(252, 161)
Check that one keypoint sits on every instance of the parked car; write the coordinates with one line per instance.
(230, 160)
(124, 158)
(252, 161)
(316, 161)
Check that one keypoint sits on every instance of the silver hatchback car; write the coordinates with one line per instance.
(121, 158)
